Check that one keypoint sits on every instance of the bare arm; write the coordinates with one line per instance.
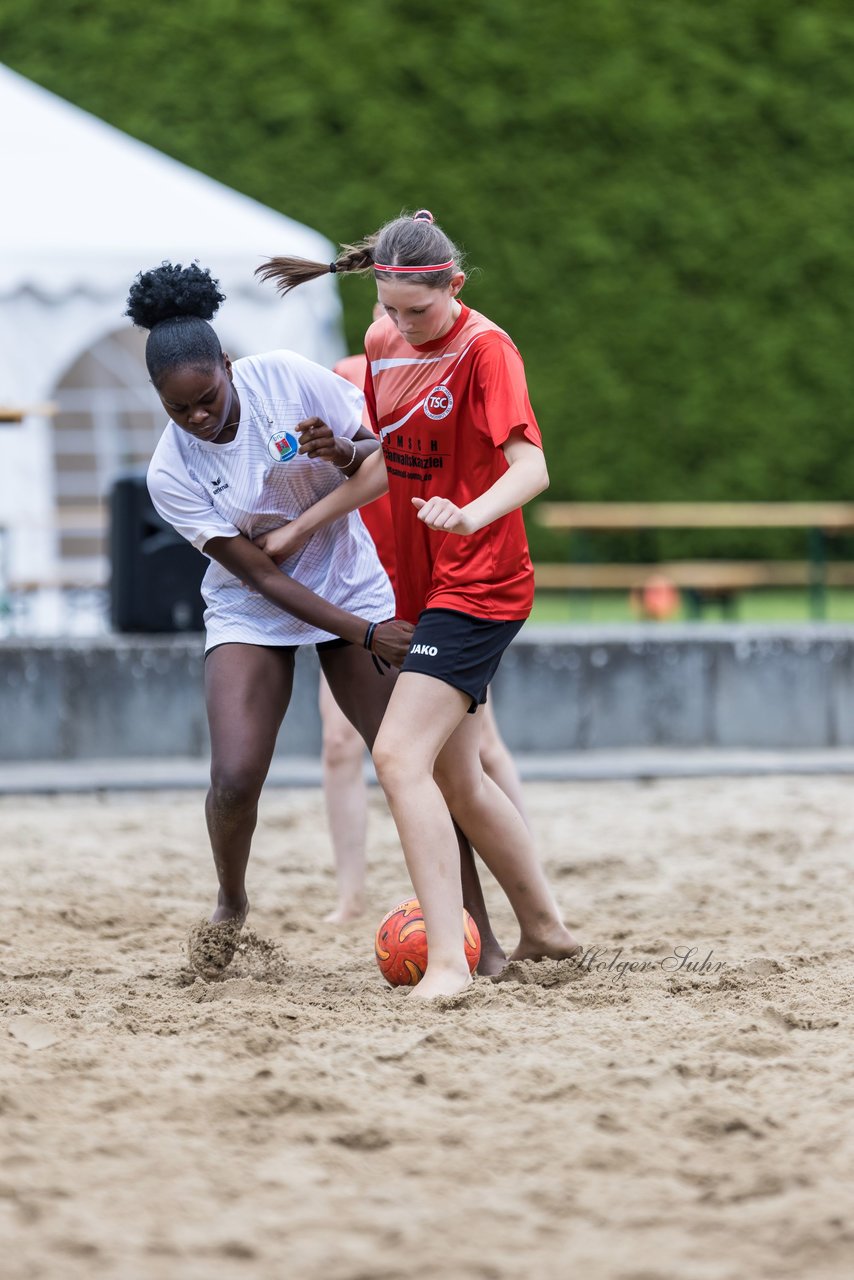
(369, 482)
(525, 477)
(255, 568)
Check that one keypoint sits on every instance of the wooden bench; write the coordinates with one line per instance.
(702, 582)
(712, 578)
(625, 516)
(699, 575)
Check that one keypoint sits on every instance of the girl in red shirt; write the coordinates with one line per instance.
(461, 454)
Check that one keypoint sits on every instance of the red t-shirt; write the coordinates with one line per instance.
(443, 410)
(376, 515)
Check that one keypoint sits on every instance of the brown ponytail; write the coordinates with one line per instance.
(287, 273)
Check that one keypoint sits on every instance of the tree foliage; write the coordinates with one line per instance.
(657, 196)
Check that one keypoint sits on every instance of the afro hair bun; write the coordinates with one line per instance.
(171, 290)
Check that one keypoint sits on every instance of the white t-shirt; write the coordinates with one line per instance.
(257, 482)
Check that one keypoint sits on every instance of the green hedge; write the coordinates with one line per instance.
(658, 197)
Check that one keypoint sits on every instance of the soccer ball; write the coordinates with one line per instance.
(401, 944)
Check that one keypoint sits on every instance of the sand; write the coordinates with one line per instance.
(632, 1117)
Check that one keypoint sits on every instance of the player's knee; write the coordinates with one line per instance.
(384, 764)
(491, 755)
(342, 748)
(236, 788)
(392, 769)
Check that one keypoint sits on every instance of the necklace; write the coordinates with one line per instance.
(227, 426)
(234, 399)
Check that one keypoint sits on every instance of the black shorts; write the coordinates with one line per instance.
(459, 649)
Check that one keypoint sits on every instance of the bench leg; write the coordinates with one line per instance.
(818, 575)
(693, 603)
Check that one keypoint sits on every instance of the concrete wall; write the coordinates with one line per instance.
(694, 685)
(558, 689)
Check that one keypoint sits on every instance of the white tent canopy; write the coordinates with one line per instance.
(85, 208)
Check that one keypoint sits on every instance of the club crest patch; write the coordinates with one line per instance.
(438, 403)
(282, 446)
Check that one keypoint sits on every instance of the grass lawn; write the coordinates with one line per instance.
(749, 606)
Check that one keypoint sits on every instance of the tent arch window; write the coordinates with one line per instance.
(108, 421)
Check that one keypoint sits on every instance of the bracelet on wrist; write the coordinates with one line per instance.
(379, 663)
(345, 465)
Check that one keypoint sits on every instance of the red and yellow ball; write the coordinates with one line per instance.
(401, 944)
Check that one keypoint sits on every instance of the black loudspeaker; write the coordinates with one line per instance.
(156, 574)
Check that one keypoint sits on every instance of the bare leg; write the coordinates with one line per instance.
(363, 695)
(448, 744)
(492, 958)
(247, 691)
(405, 761)
(346, 804)
(498, 763)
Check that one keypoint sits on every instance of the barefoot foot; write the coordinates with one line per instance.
(345, 912)
(492, 959)
(557, 943)
(230, 909)
(440, 982)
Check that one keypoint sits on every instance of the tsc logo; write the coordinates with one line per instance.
(438, 403)
(282, 446)
(429, 649)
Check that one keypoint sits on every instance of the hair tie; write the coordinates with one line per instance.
(422, 215)
(333, 267)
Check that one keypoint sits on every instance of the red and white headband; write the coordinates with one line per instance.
(436, 266)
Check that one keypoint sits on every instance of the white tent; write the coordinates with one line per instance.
(85, 207)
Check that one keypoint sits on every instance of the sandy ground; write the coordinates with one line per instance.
(302, 1119)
